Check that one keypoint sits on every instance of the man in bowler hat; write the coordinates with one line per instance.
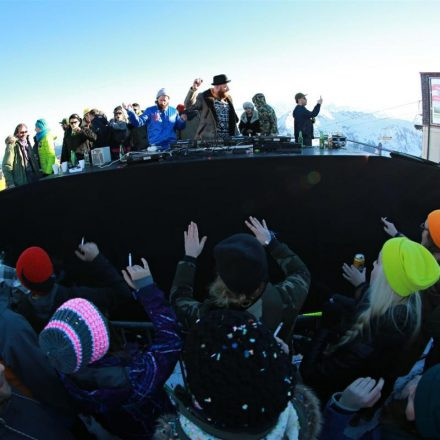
(217, 115)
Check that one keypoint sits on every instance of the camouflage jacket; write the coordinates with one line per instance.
(268, 118)
(279, 303)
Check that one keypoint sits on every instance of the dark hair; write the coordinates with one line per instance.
(75, 116)
(117, 109)
(237, 372)
(18, 128)
(135, 104)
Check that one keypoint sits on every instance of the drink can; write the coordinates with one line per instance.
(359, 261)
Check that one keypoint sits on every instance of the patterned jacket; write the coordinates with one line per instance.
(124, 391)
(267, 116)
(279, 303)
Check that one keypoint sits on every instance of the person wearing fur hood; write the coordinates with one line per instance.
(249, 120)
(240, 385)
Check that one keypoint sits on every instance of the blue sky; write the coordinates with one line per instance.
(59, 56)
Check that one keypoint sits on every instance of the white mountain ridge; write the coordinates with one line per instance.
(394, 134)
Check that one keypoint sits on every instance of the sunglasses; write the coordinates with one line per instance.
(22, 132)
(73, 122)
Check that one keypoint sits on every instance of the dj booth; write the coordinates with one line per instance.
(326, 204)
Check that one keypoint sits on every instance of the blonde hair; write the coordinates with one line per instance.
(10, 140)
(382, 303)
(224, 297)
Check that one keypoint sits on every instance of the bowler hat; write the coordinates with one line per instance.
(220, 79)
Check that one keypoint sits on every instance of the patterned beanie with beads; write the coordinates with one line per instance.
(237, 372)
(76, 336)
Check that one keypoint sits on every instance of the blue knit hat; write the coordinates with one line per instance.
(41, 124)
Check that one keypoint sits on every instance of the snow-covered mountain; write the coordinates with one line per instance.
(394, 134)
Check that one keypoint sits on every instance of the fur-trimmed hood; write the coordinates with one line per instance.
(306, 404)
(254, 117)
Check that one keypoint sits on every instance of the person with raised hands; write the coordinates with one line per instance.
(36, 272)
(430, 239)
(242, 280)
(384, 324)
(121, 385)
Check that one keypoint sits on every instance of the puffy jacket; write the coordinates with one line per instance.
(161, 124)
(46, 153)
(124, 391)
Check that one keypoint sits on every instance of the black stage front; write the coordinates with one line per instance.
(325, 204)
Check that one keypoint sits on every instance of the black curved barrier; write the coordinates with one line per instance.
(326, 207)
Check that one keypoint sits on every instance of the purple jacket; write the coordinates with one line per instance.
(124, 391)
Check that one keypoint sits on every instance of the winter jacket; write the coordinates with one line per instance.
(302, 122)
(138, 137)
(119, 135)
(161, 124)
(375, 354)
(16, 169)
(46, 153)
(100, 127)
(79, 143)
(111, 294)
(124, 391)
(279, 302)
(268, 118)
(22, 418)
(204, 103)
(21, 353)
(305, 406)
(337, 419)
(192, 123)
(249, 126)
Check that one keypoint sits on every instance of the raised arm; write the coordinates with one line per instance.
(182, 291)
(150, 368)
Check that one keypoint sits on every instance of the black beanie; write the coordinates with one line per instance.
(241, 263)
(427, 404)
(237, 372)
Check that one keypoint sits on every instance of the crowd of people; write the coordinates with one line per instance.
(203, 115)
(370, 371)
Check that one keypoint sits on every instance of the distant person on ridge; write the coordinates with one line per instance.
(268, 118)
(303, 118)
(217, 115)
(161, 120)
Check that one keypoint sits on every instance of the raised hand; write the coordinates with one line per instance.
(389, 227)
(197, 83)
(193, 246)
(260, 230)
(320, 100)
(353, 275)
(127, 106)
(135, 273)
(87, 252)
(362, 393)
